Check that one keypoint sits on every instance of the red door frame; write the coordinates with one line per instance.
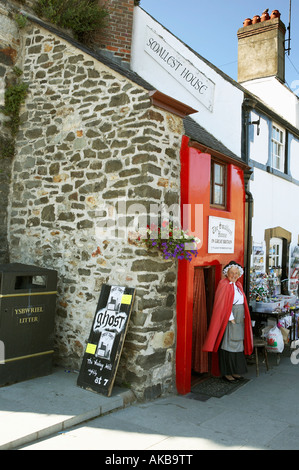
(195, 189)
(184, 328)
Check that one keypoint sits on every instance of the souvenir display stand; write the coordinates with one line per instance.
(275, 316)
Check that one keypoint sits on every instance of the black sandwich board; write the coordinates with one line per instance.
(106, 339)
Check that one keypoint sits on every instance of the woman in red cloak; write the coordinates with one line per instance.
(230, 330)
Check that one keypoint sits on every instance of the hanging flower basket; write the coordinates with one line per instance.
(172, 242)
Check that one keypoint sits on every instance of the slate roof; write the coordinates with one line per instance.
(196, 132)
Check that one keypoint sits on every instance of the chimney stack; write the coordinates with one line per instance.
(116, 38)
(261, 47)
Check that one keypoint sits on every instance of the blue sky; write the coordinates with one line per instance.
(210, 28)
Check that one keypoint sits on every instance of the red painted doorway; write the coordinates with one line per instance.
(196, 290)
(196, 191)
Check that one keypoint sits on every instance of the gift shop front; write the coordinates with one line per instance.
(273, 290)
(271, 118)
(213, 201)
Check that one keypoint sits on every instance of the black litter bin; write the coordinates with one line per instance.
(27, 311)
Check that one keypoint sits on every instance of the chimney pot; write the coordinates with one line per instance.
(265, 16)
(247, 22)
(256, 19)
(275, 14)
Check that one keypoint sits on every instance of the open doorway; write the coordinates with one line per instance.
(203, 299)
(277, 257)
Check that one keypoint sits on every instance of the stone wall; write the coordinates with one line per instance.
(91, 139)
(9, 49)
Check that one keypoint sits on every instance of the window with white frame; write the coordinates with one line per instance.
(278, 145)
(275, 253)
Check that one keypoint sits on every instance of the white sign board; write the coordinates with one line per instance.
(194, 81)
(221, 235)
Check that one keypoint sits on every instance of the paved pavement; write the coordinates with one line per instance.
(53, 413)
(42, 406)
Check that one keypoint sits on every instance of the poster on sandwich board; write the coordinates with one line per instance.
(106, 339)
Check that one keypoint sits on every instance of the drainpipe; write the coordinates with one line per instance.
(248, 250)
(247, 104)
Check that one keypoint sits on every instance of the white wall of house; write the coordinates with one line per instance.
(294, 163)
(259, 144)
(174, 69)
(275, 197)
(275, 205)
(277, 96)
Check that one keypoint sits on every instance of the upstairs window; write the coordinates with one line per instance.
(218, 184)
(278, 146)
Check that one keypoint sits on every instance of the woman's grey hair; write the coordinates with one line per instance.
(232, 264)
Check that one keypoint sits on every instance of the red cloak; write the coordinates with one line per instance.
(222, 309)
